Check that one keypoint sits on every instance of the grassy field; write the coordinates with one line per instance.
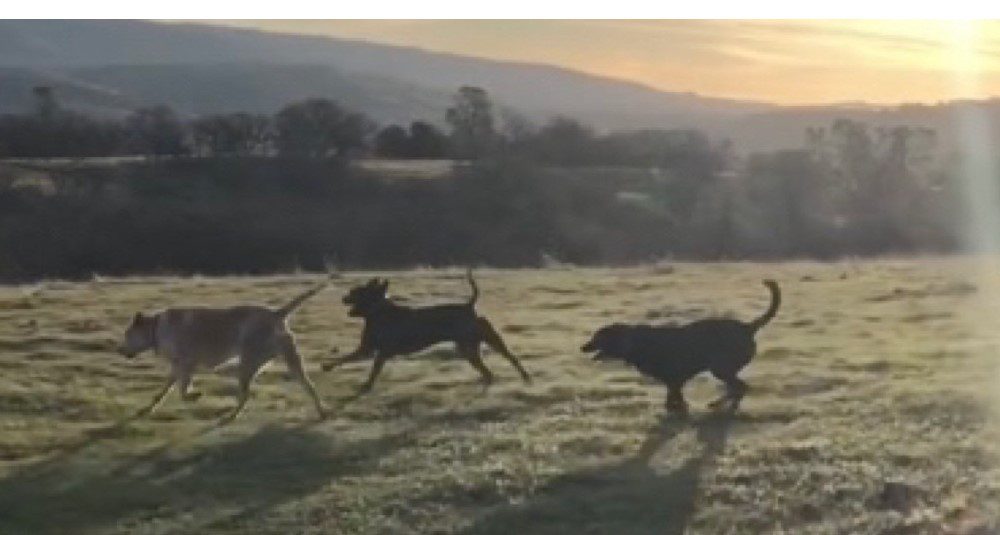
(870, 411)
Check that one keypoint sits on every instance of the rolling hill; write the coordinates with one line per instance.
(111, 67)
(202, 68)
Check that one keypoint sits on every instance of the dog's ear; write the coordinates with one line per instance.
(373, 283)
(138, 318)
(384, 286)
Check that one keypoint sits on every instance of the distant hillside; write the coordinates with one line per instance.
(16, 85)
(258, 69)
(113, 66)
(199, 89)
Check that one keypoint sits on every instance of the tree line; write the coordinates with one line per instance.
(311, 128)
(272, 193)
(321, 128)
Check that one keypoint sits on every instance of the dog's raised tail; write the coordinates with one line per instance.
(475, 289)
(772, 310)
(297, 301)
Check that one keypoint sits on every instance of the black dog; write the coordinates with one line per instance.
(391, 329)
(675, 354)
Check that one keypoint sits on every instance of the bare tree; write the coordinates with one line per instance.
(240, 134)
(318, 128)
(471, 119)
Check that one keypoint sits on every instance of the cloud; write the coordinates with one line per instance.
(780, 61)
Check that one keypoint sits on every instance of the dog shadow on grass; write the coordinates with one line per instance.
(215, 486)
(626, 497)
(92, 438)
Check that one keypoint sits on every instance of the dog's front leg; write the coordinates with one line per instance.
(359, 354)
(380, 359)
(148, 409)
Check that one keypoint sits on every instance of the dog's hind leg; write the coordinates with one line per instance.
(241, 399)
(491, 337)
(294, 362)
(186, 375)
(247, 371)
(148, 409)
(736, 388)
(675, 400)
(470, 352)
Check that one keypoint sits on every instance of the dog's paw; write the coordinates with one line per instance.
(678, 409)
(227, 419)
(191, 397)
(675, 416)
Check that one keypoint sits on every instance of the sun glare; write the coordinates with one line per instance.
(978, 174)
(975, 143)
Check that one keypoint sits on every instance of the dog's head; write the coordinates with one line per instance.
(609, 342)
(140, 335)
(365, 297)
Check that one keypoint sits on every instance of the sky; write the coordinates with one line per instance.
(786, 62)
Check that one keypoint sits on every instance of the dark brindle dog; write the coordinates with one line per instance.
(392, 329)
(675, 354)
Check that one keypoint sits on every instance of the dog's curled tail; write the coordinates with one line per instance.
(301, 298)
(772, 310)
(475, 289)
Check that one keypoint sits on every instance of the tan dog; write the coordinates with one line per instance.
(196, 338)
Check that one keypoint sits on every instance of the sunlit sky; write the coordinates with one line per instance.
(788, 62)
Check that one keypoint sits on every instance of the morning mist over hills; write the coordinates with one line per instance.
(111, 67)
